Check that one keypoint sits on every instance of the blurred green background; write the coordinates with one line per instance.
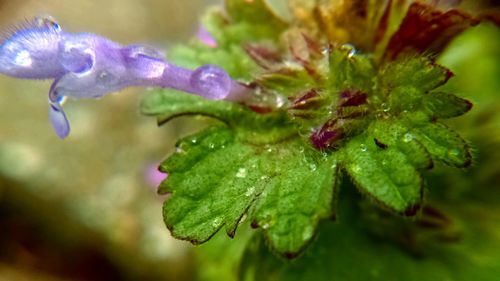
(86, 208)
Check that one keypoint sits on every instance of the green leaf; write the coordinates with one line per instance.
(467, 249)
(256, 128)
(443, 105)
(256, 12)
(349, 71)
(215, 177)
(405, 82)
(169, 104)
(417, 72)
(386, 174)
(443, 144)
(232, 58)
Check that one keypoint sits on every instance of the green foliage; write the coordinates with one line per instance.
(379, 123)
(226, 171)
(364, 245)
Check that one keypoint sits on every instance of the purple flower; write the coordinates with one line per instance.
(206, 38)
(85, 65)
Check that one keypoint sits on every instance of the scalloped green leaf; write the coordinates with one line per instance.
(406, 82)
(419, 72)
(215, 178)
(386, 174)
(392, 133)
(443, 144)
(444, 105)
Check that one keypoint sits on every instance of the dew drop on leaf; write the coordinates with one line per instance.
(242, 173)
(250, 191)
(363, 147)
(313, 167)
(216, 222)
(408, 137)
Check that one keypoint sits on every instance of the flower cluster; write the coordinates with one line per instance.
(85, 65)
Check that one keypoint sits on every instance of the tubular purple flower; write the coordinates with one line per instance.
(85, 65)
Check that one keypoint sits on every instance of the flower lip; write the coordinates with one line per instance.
(30, 51)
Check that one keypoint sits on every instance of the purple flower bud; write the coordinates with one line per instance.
(85, 65)
(206, 38)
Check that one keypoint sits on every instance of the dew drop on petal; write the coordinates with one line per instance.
(105, 78)
(211, 82)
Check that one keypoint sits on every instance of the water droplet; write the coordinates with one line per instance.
(454, 152)
(264, 177)
(363, 147)
(280, 101)
(408, 137)
(179, 150)
(105, 78)
(194, 141)
(385, 107)
(135, 51)
(356, 169)
(46, 21)
(301, 149)
(352, 50)
(265, 226)
(242, 173)
(313, 167)
(216, 222)
(250, 191)
(211, 82)
(211, 146)
(307, 233)
(62, 100)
